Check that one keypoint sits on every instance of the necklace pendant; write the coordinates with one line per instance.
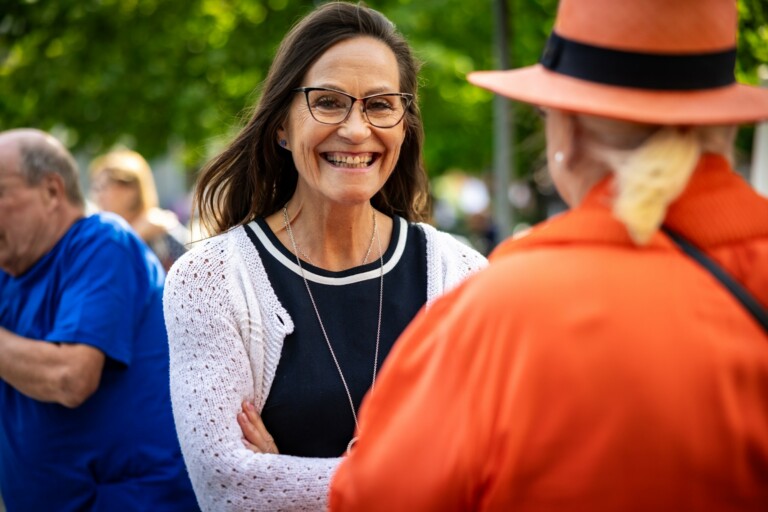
(351, 444)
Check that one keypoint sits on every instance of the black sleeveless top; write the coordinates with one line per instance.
(307, 410)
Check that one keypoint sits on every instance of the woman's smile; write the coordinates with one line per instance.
(362, 161)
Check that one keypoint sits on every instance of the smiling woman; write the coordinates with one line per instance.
(341, 157)
(279, 322)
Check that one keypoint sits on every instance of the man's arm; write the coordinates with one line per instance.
(65, 373)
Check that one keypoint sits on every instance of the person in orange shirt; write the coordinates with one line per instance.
(596, 365)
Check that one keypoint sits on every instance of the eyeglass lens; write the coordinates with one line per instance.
(331, 107)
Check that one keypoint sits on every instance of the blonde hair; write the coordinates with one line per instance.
(128, 166)
(652, 165)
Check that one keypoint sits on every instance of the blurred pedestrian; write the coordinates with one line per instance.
(598, 364)
(85, 413)
(122, 182)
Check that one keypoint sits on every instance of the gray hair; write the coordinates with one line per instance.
(48, 156)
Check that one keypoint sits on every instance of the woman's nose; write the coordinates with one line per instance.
(356, 125)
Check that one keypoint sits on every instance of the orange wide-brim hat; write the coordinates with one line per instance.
(649, 61)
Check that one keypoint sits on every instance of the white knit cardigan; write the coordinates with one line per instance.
(226, 329)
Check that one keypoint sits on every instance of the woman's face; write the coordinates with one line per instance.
(114, 196)
(347, 163)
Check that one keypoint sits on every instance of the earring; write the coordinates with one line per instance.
(283, 143)
(559, 156)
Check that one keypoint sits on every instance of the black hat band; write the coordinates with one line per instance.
(640, 70)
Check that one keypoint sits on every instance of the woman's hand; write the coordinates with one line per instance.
(256, 437)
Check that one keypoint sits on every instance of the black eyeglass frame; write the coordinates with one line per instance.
(408, 97)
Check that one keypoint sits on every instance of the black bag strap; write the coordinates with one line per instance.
(733, 286)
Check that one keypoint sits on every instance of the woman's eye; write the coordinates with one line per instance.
(379, 105)
(329, 102)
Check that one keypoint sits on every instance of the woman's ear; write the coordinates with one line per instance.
(562, 153)
(561, 139)
(282, 138)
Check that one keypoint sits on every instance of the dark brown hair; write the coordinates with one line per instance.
(253, 177)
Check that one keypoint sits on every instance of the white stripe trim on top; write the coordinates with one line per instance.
(291, 265)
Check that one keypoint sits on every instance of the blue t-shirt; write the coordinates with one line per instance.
(100, 285)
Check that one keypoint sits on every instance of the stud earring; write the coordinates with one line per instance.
(283, 143)
(559, 157)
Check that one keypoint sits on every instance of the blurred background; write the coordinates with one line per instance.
(172, 79)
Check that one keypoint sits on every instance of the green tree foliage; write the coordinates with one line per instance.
(752, 52)
(137, 71)
(148, 73)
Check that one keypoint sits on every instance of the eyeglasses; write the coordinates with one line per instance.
(328, 106)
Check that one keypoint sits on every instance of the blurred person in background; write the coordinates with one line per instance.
(85, 412)
(615, 357)
(122, 183)
(317, 263)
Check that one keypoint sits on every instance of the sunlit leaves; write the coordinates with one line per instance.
(154, 71)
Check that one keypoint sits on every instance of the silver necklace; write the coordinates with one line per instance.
(296, 252)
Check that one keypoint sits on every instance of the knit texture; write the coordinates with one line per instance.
(226, 329)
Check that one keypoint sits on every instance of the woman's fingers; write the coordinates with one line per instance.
(250, 433)
(255, 419)
(250, 446)
(254, 431)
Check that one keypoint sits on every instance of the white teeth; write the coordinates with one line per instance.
(350, 161)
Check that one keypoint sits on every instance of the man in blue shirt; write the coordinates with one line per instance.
(85, 412)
